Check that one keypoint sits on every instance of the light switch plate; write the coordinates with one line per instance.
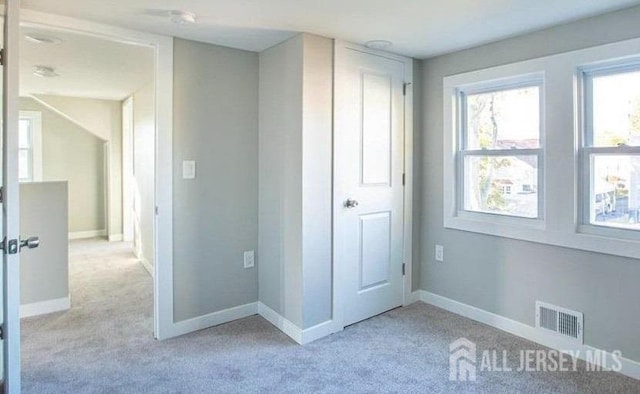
(188, 169)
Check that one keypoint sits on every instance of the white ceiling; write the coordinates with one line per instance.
(418, 28)
(87, 66)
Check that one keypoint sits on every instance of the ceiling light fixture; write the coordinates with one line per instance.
(38, 39)
(182, 17)
(378, 44)
(45, 72)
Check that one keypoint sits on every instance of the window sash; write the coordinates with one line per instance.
(588, 75)
(460, 181)
(517, 82)
(587, 157)
(588, 151)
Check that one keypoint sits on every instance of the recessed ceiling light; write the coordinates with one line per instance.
(182, 17)
(40, 39)
(378, 44)
(45, 72)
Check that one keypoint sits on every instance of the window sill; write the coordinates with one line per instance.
(585, 238)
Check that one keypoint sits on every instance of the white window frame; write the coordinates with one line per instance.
(587, 150)
(35, 117)
(460, 130)
(563, 223)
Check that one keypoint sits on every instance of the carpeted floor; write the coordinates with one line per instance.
(104, 344)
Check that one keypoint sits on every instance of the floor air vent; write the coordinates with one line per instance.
(561, 321)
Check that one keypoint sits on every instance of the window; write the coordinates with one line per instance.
(611, 147)
(547, 150)
(500, 150)
(30, 146)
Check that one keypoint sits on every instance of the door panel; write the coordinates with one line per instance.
(368, 168)
(375, 250)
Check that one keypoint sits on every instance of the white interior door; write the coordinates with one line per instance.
(10, 199)
(368, 176)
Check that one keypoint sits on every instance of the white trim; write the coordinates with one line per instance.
(215, 318)
(338, 317)
(630, 368)
(45, 307)
(115, 238)
(282, 324)
(164, 326)
(87, 234)
(127, 169)
(147, 266)
(294, 332)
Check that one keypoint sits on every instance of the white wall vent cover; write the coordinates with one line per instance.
(561, 321)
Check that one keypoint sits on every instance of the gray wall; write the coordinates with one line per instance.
(505, 276)
(295, 271)
(280, 205)
(144, 130)
(215, 215)
(70, 153)
(44, 272)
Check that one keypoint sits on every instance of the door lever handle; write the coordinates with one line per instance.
(351, 203)
(30, 243)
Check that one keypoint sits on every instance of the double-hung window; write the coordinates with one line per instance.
(610, 152)
(500, 148)
(30, 146)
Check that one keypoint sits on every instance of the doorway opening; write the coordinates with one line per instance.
(79, 95)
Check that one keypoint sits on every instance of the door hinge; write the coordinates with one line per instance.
(403, 269)
(404, 88)
(156, 210)
(1, 195)
(9, 246)
(1, 57)
(404, 176)
(1, 331)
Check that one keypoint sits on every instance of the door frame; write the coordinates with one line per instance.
(164, 326)
(127, 170)
(340, 49)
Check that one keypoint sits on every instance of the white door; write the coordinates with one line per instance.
(10, 200)
(368, 176)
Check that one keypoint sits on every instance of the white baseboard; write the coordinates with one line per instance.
(299, 335)
(214, 319)
(116, 237)
(87, 234)
(630, 367)
(44, 307)
(147, 266)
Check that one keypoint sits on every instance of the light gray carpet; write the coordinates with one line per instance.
(104, 345)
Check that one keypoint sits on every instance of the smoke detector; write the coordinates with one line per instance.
(45, 72)
(378, 44)
(182, 17)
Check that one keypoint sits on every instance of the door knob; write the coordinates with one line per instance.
(30, 243)
(350, 203)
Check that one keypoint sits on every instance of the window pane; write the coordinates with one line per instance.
(24, 165)
(25, 133)
(616, 109)
(505, 185)
(505, 119)
(615, 197)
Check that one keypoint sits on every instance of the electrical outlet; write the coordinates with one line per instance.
(440, 253)
(249, 261)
